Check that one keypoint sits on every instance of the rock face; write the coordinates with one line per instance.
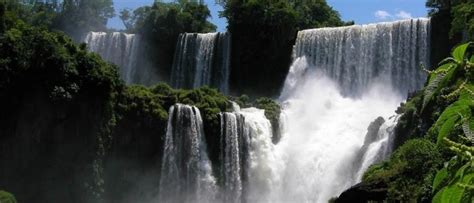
(363, 192)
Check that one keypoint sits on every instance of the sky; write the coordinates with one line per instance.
(361, 11)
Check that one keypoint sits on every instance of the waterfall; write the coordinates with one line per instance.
(357, 56)
(247, 156)
(376, 148)
(337, 119)
(341, 81)
(118, 48)
(231, 157)
(186, 174)
(202, 59)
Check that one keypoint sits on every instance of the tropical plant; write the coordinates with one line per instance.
(6, 197)
(453, 129)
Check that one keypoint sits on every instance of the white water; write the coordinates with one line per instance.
(186, 173)
(324, 131)
(230, 157)
(118, 48)
(357, 56)
(202, 59)
(380, 149)
(341, 81)
(264, 163)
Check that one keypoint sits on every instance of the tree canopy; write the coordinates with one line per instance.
(74, 17)
(461, 12)
(263, 34)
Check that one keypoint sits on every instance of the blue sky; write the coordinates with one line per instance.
(361, 11)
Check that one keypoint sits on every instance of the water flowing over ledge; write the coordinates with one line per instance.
(357, 56)
(118, 48)
(202, 59)
(186, 173)
(338, 116)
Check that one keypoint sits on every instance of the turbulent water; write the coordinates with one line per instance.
(338, 118)
(202, 59)
(359, 55)
(186, 174)
(232, 156)
(339, 98)
(247, 158)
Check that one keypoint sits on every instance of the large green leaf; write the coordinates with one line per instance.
(6, 197)
(453, 193)
(439, 178)
(459, 52)
(438, 196)
(446, 122)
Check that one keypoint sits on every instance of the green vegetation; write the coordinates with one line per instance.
(409, 172)
(459, 12)
(263, 34)
(453, 129)
(452, 22)
(71, 103)
(415, 171)
(160, 26)
(6, 197)
(74, 17)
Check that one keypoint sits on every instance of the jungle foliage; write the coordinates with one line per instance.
(160, 26)
(436, 162)
(74, 17)
(263, 33)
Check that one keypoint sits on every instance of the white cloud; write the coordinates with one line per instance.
(403, 15)
(382, 15)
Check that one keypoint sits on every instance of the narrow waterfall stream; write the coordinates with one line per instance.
(186, 174)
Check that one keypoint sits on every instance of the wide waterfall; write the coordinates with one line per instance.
(202, 59)
(118, 48)
(186, 173)
(360, 55)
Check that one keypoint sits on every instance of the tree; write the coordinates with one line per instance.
(263, 34)
(160, 26)
(80, 16)
(134, 19)
(2, 17)
(463, 21)
(459, 12)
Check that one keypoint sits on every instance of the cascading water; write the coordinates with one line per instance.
(186, 173)
(118, 48)
(343, 79)
(231, 145)
(202, 59)
(338, 101)
(376, 147)
(359, 55)
(247, 157)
